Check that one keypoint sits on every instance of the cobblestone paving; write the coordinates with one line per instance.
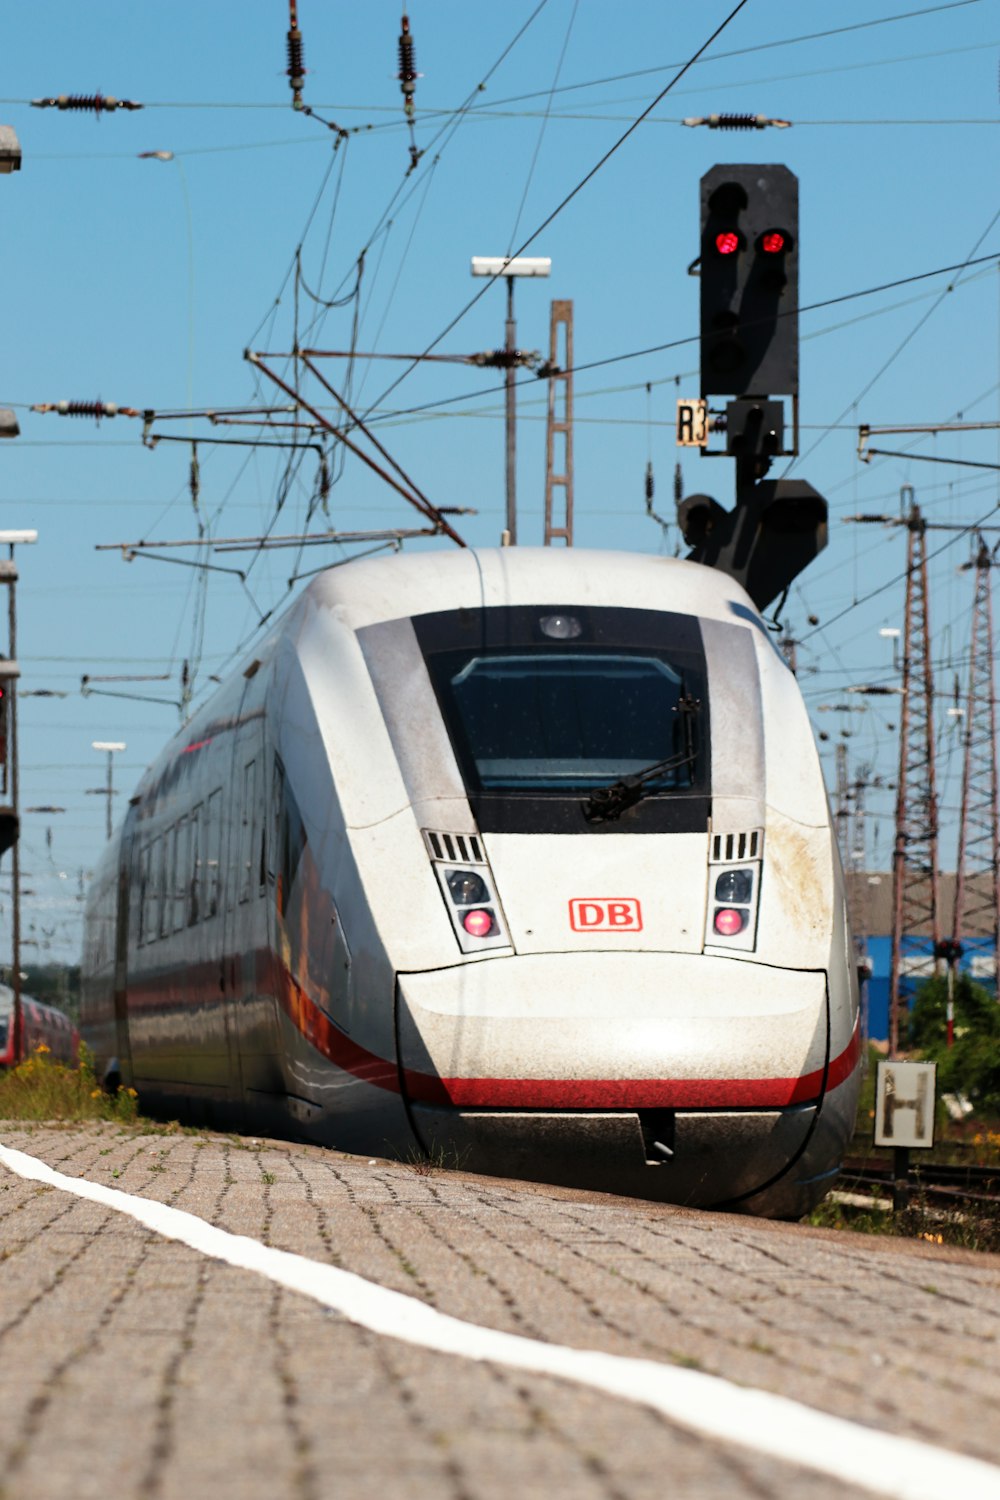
(132, 1366)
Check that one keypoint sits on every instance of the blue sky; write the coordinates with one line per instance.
(142, 281)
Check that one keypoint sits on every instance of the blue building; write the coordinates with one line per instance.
(872, 899)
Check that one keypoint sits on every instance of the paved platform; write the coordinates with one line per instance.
(133, 1366)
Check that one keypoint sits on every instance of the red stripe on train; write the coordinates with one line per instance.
(560, 1093)
(520, 1093)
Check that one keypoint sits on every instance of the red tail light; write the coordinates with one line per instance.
(478, 923)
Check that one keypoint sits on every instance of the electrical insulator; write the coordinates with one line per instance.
(95, 409)
(97, 103)
(296, 64)
(650, 487)
(737, 122)
(407, 74)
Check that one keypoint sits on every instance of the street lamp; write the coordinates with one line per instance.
(10, 150)
(110, 746)
(892, 633)
(511, 266)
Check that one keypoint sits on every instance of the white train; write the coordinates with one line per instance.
(520, 858)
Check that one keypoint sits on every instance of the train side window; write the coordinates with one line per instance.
(277, 802)
(246, 829)
(142, 879)
(183, 864)
(213, 852)
(291, 841)
(153, 889)
(194, 893)
(168, 877)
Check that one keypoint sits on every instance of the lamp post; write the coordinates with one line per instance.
(9, 817)
(182, 178)
(511, 266)
(107, 791)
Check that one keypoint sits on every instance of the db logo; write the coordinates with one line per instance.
(602, 914)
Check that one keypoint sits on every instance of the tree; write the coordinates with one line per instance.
(972, 1065)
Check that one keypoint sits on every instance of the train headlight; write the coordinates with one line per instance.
(479, 922)
(734, 887)
(468, 891)
(467, 888)
(735, 882)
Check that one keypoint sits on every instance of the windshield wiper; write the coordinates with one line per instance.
(609, 802)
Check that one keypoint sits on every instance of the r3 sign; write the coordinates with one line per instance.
(605, 914)
(692, 424)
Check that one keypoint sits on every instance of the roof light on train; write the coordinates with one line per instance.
(730, 920)
(467, 888)
(560, 627)
(479, 923)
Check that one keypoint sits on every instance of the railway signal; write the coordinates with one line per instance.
(749, 281)
(749, 274)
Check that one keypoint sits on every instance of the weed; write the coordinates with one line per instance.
(437, 1159)
(41, 1089)
(269, 1177)
(686, 1361)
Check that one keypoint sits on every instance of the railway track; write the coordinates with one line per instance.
(937, 1182)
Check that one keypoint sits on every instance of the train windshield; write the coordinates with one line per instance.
(547, 707)
(554, 720)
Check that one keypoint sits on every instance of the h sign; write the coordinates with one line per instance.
(904, 1104)
(605, 914)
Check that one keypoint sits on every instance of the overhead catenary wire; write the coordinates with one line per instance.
(888, 363)
(689, 339)
(745, 51)
(578, 188)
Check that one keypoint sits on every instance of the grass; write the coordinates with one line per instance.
(973, 1228)
(41, 1089)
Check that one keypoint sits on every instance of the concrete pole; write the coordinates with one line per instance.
(510, 348)
(110, 791)
(17, 1019)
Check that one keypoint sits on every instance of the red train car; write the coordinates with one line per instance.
(40, 1024)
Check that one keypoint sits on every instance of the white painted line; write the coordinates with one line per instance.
(876, 1461)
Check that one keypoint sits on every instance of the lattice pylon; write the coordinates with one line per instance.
(560, 425)
(915, 853)
(977, 885)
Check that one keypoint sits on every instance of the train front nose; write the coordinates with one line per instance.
(680, 1077)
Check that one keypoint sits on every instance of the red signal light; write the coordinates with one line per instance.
(773, 242)
(478, 923)
(727, 242)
